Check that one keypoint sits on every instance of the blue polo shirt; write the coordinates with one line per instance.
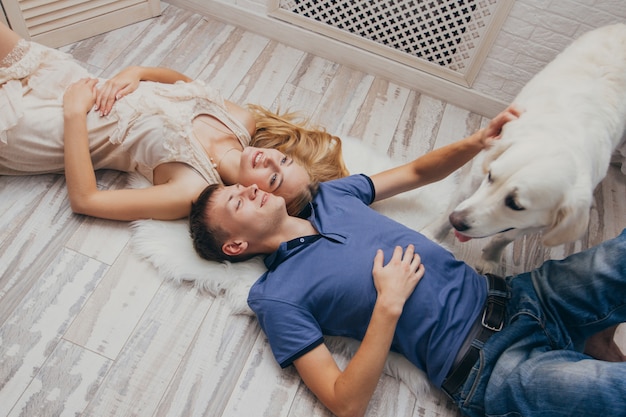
(323, 285)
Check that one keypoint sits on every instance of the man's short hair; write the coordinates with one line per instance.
(207, 235)
(208, 238)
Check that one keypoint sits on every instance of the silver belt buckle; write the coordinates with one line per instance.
(487, 326)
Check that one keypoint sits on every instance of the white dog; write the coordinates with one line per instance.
(542, 173)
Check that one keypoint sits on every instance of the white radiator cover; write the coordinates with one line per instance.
(446, 38)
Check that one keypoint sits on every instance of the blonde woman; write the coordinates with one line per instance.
(179, 133)
(315, 150)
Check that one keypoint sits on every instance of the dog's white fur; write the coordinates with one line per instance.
(542, 173)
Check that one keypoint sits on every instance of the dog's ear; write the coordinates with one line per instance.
(494, 152)
(570, 222)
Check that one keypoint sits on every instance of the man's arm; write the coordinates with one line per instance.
(348, 392)
(440, 162)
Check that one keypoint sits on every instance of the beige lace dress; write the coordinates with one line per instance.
(151, 126)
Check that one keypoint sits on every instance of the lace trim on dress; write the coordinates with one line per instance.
(21, 48)
(29, 58)
(21, 73)
(10, 90)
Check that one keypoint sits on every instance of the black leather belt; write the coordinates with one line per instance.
(491, 321)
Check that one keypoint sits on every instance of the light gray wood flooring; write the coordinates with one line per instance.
(87, 328)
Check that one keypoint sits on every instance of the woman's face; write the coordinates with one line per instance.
(272, 171)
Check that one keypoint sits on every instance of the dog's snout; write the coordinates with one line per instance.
(457, 220)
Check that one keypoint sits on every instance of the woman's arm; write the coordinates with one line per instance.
(79, 172)
(440, 162)
(348, 392)
(161, 202)
(127, 81)
(170, 200)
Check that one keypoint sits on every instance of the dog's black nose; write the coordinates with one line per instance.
(456, 220)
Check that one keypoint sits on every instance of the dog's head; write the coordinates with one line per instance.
(525, 190)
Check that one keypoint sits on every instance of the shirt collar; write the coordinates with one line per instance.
(286, 249)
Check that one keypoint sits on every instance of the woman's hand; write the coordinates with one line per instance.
(397, 280)
(494, 129)
(80, 96)
(124, 83)
(127, 81)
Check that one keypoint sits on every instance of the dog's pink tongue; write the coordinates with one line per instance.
(462, 238)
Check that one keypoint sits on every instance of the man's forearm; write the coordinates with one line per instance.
(357, 383)
(428, 168)
(441, 162)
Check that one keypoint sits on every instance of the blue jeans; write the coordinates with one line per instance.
(535, 365)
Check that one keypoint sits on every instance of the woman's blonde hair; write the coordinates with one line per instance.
(312, 147)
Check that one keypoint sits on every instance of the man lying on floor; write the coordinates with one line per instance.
(497, 346)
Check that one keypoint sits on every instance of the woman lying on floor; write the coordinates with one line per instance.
(178, 133)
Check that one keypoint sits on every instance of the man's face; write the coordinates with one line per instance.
(246, 213)
(273, 172)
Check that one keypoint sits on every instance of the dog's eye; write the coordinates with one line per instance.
(489, 180)
(512, 204)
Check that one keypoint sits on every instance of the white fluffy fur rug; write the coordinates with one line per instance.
(167, 245)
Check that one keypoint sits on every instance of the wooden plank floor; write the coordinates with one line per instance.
(87, 328)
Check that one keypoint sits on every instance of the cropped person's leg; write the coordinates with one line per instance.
(8, 40)
(560, 383)
(586, 292)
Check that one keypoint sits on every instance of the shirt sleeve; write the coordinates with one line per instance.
(290, 330)
(372, 196)
(358, 185)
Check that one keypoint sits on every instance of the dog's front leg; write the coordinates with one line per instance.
(618, 157)
(492, 252)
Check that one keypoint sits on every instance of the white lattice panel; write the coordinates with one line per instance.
(448, 38)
